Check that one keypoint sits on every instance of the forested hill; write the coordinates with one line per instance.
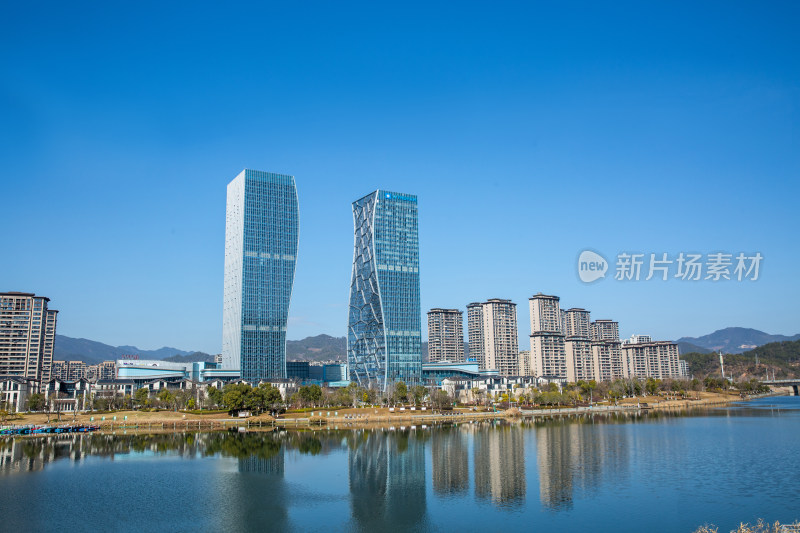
(783, 358)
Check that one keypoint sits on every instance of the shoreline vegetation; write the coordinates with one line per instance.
(759, 527)
(167, 420)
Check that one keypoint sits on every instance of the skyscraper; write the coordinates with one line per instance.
(27, 335)
(260, 256)
(445, 335)
(383, 335)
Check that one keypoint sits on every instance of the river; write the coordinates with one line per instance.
(649, 472)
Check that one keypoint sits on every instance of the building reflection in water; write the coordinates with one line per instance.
(577, 454)
(450, 457)
(499, 454)
(262, 495)
(387, 478)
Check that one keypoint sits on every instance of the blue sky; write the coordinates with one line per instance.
(529, 132)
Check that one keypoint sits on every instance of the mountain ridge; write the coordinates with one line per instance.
(736, 339)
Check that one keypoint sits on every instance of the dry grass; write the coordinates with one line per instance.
(759, 527)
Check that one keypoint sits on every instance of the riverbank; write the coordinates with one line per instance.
(182, 421)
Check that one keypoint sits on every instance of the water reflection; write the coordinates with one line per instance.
(574, 454)
(377, 479)
(499, 455)
(450, 452)
(387, 478)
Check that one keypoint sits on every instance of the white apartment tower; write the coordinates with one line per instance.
(492, 331)
(445, 335)
(27, 335)
(548, 356)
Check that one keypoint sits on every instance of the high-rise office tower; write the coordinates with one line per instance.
(492, 331)
(260, 256)
(384, 344)
(548, 353)
(27, 335)
(445, 335)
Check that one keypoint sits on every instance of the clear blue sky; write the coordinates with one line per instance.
(529, 131)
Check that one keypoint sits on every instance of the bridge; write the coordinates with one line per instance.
(793, 383)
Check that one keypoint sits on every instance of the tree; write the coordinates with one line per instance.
(233, 395)
(419, 393)
(441, 399)
(401, 391)
(35, 401)
(142, 397)
(215, 396)
(272, 398)
(166, 397)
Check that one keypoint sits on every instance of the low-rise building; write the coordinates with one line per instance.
(14, 392)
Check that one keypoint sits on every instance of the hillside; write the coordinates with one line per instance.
(92, 352)
(782, 358)
(318, 348)
(191, 358)
(687, 347)
(735, 340)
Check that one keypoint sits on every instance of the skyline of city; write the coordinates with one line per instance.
(528, 133)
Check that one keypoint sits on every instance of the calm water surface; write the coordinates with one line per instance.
(654, 472)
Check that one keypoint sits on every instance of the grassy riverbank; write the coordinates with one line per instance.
(176, 420)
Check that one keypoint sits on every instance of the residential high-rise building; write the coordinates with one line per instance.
(608, 361)
(27, 335)
(645, 359)
(475, 332)
(683, 368)
(493, 334)
(548, 353)
(76, 370)
(606, 353)
(577, 323)
(260, 255)
(59, 370)
(445, 335)
(605, 330)
(577, 344)
(525, 363)
(384, 343)
(580, 364)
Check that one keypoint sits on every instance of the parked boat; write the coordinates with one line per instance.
(47, 430)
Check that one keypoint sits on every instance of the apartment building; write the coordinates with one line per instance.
(445, 335)
(27, 335)
(492, 331)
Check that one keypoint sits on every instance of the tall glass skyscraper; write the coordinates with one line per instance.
(260, 256)
(383, 334)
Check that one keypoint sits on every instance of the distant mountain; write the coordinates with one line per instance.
(92, 352)
(735, 340)
(687, 347)
(319, 348)
(191, 358)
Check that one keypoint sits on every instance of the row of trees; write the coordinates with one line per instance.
(265, 397)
